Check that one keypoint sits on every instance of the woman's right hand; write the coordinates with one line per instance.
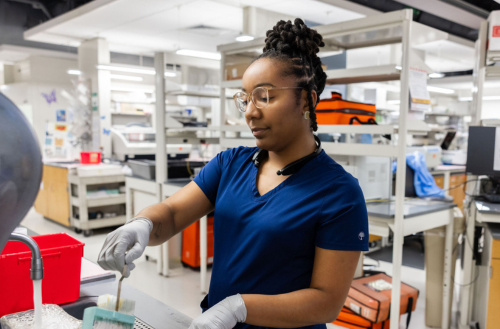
(124, 245)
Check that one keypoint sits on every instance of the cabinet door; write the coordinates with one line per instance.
(493, 318)
(59, 203)
(439, 181)
(41, 202)
(458, 193)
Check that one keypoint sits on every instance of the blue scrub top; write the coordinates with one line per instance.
(265, 244)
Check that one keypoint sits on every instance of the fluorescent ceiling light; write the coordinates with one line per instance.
(485, 98)
(200, 54)
(440, 90)
(244, 38)
(74, 72)
(436, 75)
(399, 68)
(132, 89)
(125, 77)
(394, 101)
(125, 69)
(170, 74)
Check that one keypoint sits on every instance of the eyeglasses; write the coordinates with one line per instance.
(259, 96)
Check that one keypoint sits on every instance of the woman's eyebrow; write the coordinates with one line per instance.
(260, 85)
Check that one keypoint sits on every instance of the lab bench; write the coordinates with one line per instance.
(420, 215)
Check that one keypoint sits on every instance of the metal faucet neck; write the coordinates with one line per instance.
(36, 256)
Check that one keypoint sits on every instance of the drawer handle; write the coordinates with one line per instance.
(27, 259)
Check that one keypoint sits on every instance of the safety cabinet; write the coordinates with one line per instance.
(53, 198)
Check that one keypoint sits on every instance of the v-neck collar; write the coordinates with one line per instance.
(255, 172)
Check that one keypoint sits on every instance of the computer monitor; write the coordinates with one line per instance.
(482, 151)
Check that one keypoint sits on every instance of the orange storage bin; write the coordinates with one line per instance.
(336, 111)
(367, 300)
(349, 319)
(62, 261)
(191, 244)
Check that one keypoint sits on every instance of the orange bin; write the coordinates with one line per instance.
(336, 111)
(191, 244)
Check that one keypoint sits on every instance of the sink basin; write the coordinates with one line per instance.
(76, 309)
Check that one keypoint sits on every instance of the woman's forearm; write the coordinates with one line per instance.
(296, 309)
(162, 217)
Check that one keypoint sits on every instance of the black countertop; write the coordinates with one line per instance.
(412, 208)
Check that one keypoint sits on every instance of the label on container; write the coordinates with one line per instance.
(495, 32)
(355, 308)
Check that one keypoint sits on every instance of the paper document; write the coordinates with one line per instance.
(420, 99)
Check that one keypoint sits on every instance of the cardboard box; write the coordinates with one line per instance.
(235, 71)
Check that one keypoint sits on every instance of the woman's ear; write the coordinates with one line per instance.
(314, 96)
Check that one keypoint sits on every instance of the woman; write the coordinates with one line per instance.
(289, 221)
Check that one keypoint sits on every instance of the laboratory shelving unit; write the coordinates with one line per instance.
(80, 200)
(481, 73)
(169, 131)
(389, 28)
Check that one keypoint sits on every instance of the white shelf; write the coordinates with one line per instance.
(100, 202)
(190, 129)
(354, 149)
(362, 74)
(356, 129)
(205, 94)
(99, 223)
(131, 114)
(492, 71)
(236, 128)
(329, 147)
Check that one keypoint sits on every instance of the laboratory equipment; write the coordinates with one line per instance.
(431, 153)
(483, 153)
(371, 297)
(20, 168)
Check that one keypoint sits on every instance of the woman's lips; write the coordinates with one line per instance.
(259, 132)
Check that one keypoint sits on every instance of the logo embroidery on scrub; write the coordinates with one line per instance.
(361, 235)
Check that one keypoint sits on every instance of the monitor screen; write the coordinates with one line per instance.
(481, 151)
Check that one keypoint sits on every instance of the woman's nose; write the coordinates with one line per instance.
(252, 111)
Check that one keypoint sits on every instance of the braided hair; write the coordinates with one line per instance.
(297, 45)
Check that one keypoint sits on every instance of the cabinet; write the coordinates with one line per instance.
(494, 293)
(457, 193)
(53, 198)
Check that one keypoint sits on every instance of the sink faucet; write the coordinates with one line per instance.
(36, 256)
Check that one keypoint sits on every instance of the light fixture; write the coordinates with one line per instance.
(244, 38)
(3, 87)
(131, 89)
(200, 54)
(436, 75)
(485, 98)
(125, 69)
(394, 101)
(74, 72)
(440, 90)
(125, 77)
(399, 68)
(170, 74)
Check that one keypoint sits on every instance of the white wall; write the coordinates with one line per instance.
(35, 77)
(491, 110)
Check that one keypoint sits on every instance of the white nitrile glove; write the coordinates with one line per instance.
(224, 315)
(125, 244)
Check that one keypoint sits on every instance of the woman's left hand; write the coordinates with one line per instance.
(224, 315)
